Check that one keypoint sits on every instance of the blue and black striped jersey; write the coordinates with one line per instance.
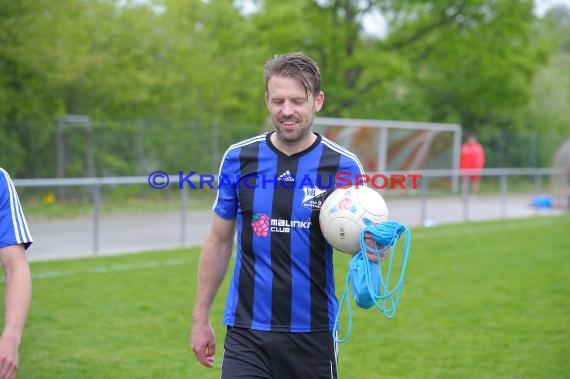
(13, 227)
(283, 274)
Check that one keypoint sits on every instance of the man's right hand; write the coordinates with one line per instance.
(203, 343)
(8, 358)
(212, 268)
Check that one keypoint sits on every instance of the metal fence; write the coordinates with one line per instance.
(505, 193)
(78, 146)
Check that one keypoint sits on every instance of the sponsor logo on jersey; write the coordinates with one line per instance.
(261, 224)
(314, 197)
(286, 177)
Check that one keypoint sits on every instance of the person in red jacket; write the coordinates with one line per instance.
(472, 161)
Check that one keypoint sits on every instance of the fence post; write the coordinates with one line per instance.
(537, 182)
(466, 192)
(215, 145)
(96, 217)
(183, 211)
(423, 199)
(456, 177)
(504, 192)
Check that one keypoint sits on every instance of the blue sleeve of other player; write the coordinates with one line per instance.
(226, 203)
(13, 227)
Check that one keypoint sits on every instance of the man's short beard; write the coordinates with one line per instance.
(285, 139)
(292, 140)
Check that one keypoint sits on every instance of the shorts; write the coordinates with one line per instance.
(473, 176)
(278, 355)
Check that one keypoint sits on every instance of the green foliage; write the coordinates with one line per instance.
(481, 300)
(477, 67)
(482, 63)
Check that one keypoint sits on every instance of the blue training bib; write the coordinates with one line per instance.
(364, 295)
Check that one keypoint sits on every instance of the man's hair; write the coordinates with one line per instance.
(296, 66)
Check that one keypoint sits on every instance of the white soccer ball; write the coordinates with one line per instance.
(343, 216)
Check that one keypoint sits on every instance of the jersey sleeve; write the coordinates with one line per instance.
(351, 163)
(226, 203)
(13, 226)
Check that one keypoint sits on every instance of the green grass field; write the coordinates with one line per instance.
(481, 300)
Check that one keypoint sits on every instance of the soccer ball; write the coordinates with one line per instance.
(345, 213)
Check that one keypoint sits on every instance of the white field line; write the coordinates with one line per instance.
(423, 234)
(111, 268)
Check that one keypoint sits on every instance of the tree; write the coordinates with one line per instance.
(157, 72)
(550, 104)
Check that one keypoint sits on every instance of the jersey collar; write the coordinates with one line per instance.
(292, 156)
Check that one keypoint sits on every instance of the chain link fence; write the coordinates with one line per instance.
(137, 147)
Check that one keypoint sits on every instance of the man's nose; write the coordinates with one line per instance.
(287, 109)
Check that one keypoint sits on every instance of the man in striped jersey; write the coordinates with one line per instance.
(15, 238)
(281, 303)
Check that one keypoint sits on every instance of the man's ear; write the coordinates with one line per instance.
(319, 101)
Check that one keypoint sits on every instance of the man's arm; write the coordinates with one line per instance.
(214, 261)
(17, 299)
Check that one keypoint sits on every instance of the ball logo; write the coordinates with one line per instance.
(345, 203)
